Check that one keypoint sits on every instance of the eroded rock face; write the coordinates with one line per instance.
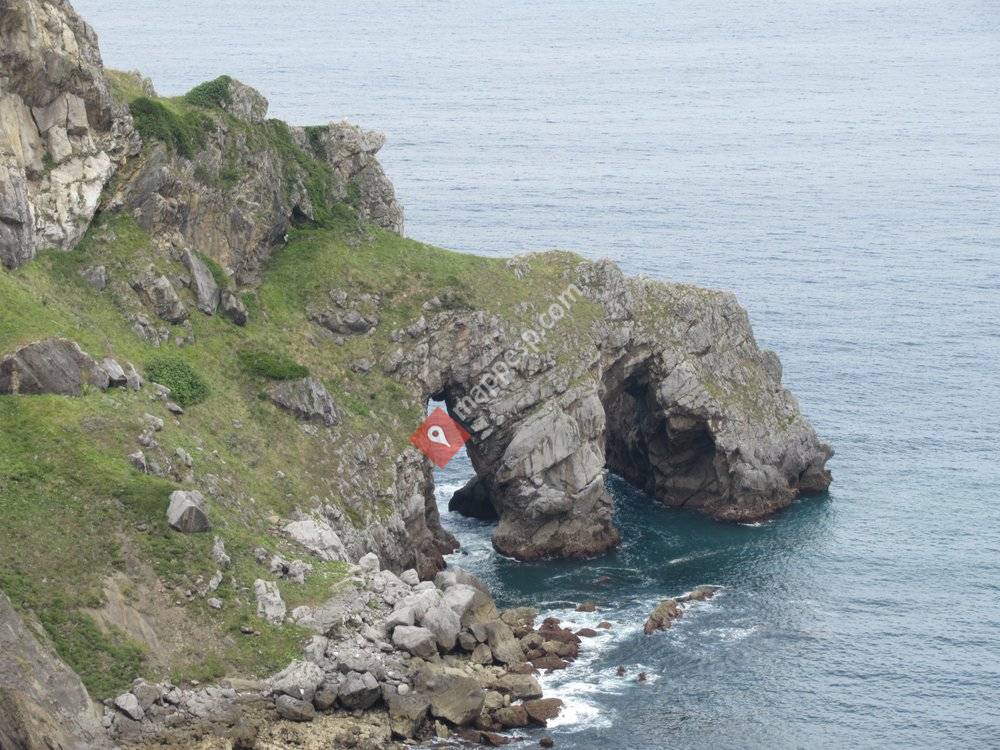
(669, 389)
(237, 197)
(62, 134)
(43, 704)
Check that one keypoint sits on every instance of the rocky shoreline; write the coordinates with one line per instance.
(393, 660)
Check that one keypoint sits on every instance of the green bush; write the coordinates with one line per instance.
(210, 94)
(271, 365)
(184, 132)
(186, 386)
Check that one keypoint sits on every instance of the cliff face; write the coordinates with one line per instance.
(62, 134)
(240, 341)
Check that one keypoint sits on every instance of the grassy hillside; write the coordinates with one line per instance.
(79, 518)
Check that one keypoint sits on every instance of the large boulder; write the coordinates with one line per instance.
(415, 640)
(186, 512)
(407, 713)
(51, 366)
(156, 291)
(442, 621)
(317, 536)
(359, 691)
(307, 399)
(300, 680)
(454, 696)
(62, 133)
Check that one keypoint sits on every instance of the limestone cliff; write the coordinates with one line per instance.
(62, 133)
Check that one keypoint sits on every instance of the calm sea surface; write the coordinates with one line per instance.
(836, 164)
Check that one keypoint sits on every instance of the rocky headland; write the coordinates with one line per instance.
(214, 345)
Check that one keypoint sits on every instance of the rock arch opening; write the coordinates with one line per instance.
(655, 444)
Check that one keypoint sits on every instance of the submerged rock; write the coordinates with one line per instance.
(662, 617)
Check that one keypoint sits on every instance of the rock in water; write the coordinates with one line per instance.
(663, 616)
(307, 399)
(50, 366)
(206, 290)
(186, 512)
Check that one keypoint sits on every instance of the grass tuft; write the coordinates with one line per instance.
(272, 365)
(186, 386)
(213, 94)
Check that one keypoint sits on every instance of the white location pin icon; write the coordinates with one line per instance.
(436, 435)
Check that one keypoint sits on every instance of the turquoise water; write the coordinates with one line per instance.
(835, 163)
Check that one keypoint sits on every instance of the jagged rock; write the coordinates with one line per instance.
(270, 605)
(147, 693)
(454, 696)
(62, 133)
(345, 322)
(138, 460)
(326, 696)
(700, 594)
(116, 374)
(663, 616)
(132, 378)
(244, 102)
(52, 365)
(128, 704)
(293, 709)
(214, 602)
(186, 512)
(409, 577)
(415, 640)
(359, 691)
(407, 713)
(542, 710)
(481, 654)
(519, 686)
(512, 717)
(318, 537)
(444, 624)
(232, 308)
(503, 644)
(307, 399)
(206, 290)
(369, 563)
(156, 291)
(520, 619)
(400, 616)
(300, 680)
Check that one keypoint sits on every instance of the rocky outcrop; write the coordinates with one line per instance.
(43, 704)
(668, 389)
(62, 134)
(54, 365)
(307, 399)
(250, 180)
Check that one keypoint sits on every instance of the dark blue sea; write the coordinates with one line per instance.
(836, 163)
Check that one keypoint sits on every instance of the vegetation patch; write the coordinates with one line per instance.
(210, 94)
(156, 119)
(272, 365)
(186, 386)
